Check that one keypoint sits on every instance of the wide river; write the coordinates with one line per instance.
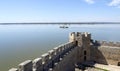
(21, 42)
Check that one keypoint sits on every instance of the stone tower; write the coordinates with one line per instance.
(83, 40)
(86, 37)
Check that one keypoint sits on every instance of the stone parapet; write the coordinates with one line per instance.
(80, 48)
(107, 43)
(25, 66)
(47, 61)
(13, 69)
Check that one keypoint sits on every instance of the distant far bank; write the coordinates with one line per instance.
(62, 23)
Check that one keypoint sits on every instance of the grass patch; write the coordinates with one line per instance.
(101, 69)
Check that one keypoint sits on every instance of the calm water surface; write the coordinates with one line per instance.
(21, 42)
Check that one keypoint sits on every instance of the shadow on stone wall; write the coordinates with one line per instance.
(118, 63)
(97, 55)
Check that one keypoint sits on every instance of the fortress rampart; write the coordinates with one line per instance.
(107, 43)
(52, 59)
(80, 49)
(106, 52)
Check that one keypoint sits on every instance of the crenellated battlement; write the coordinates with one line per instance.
(107, 43)
(79, 35)
(76, 34)
(46, 61)
(80, 48)
(86, 34)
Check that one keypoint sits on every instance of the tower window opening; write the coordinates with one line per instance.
(118, 63)
(76, 43)
(85, 52)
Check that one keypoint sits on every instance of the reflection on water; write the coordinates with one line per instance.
(21, 42)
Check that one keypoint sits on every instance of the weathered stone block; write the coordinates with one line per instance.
(37, 64)
(78, 33)
(56, 49)
(72, 36)
(50, 69)
(25, 66)
(51, 54)
(13, 69)
(45, 58)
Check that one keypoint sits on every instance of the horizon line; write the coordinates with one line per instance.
(60, 23)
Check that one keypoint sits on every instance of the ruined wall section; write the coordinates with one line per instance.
(106, 52)
(107, 43)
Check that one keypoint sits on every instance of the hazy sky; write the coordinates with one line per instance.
(59, 10)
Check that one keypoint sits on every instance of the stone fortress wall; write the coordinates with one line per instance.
(80, 49)
(54, 60)
(106, 52)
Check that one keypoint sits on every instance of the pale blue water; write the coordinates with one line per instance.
(21, 42)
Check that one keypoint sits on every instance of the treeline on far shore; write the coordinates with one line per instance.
(62, 23)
